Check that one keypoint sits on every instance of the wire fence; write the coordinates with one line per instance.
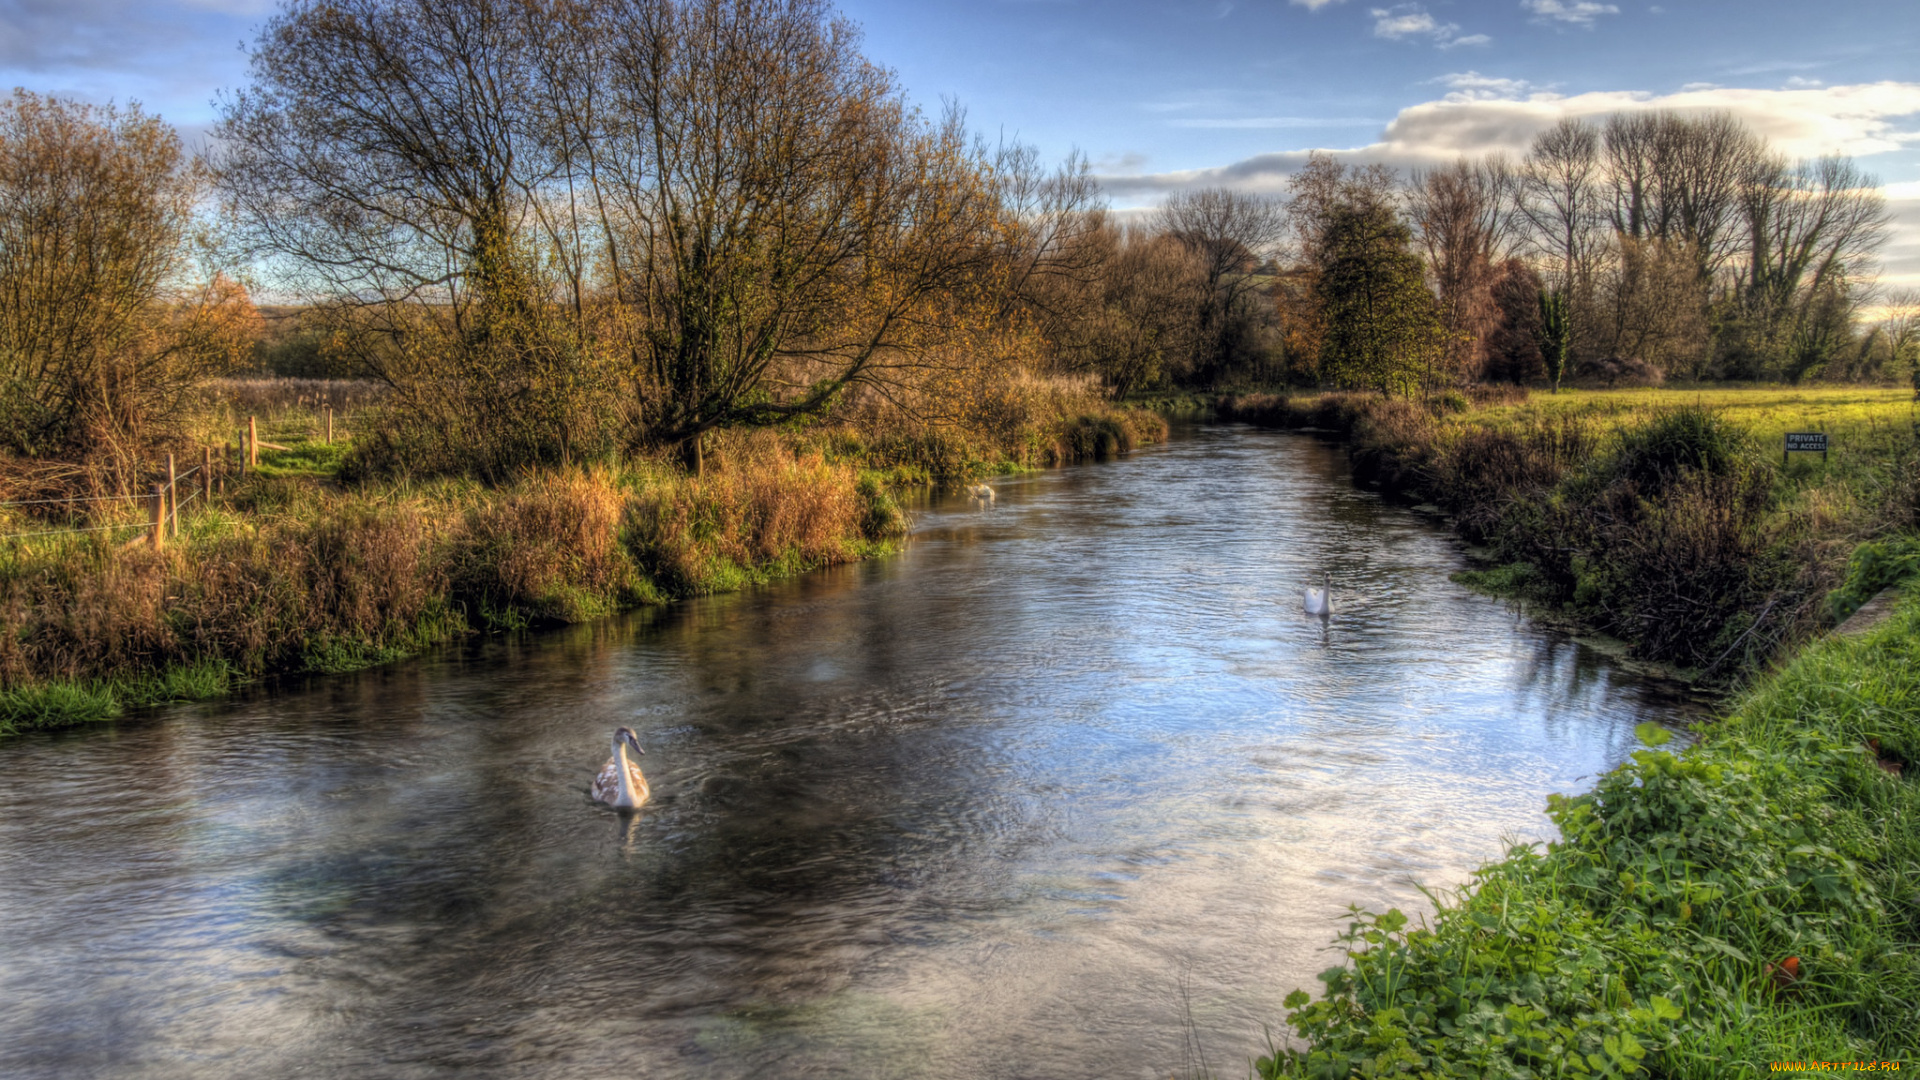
(168, 516)
(250, 442)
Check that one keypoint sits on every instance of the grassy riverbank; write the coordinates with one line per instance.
(294, 571)
(291, 574)
(1755, 900)
(1665, 518)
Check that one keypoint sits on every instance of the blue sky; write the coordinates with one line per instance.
(1162, 94)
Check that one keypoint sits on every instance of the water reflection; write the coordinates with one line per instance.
(971, 810)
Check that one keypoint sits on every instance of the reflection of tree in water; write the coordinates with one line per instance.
(1575, 689)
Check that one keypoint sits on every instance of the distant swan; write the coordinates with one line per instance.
(981, 492)
(1320, 601)
(620, 784)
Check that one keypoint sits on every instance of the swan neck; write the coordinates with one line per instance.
(625, 798)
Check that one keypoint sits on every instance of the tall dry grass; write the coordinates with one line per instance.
(1015, 421)
(769, 507)
(289, 575)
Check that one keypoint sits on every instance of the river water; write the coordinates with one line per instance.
(1070, 788)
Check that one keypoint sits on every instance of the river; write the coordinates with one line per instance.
(1071, 787)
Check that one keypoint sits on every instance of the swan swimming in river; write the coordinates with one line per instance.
(620, 784)
(981, 492)
(1320, 601)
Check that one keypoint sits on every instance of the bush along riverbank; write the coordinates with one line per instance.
(292, 571)
(291, 575)
(1666, 519)
(1751, 902)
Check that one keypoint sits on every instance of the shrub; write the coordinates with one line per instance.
(1652, 454)
(764, 507)
(547, 549)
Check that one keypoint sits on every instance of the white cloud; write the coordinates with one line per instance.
(1579, 13)
(1473, 86)
(1798, 83)
(1407, 20)
(1700, 86)
(1403, 21)
(1315, 5)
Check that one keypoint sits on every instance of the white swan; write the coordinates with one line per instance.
(620, 783)
(981, 492)
(1320, 601)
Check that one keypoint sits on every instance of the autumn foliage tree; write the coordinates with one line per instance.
(104, 326)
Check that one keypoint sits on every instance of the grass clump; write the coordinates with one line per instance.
(1874, 566)
(61, 703)
(32, 707)
(1756, 899)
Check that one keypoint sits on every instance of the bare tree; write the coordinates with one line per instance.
(1232, 234)
(780, 223)
(391, 162)
(1054, 251)
(718, 205)
(1323, 187)
(1812, 230)
(1144, 322)
(1560, 201)
(1560, 190)
(101, 331)
(1463, 219)
(1901, 328)
(1677, 179)
(1649, 305)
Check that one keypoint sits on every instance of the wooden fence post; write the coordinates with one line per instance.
(173, 498)
(329, 425)
(206, 474)
(157, 539)
(253, 442)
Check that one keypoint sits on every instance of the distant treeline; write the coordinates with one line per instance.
(563, 231)
(1642, 247)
